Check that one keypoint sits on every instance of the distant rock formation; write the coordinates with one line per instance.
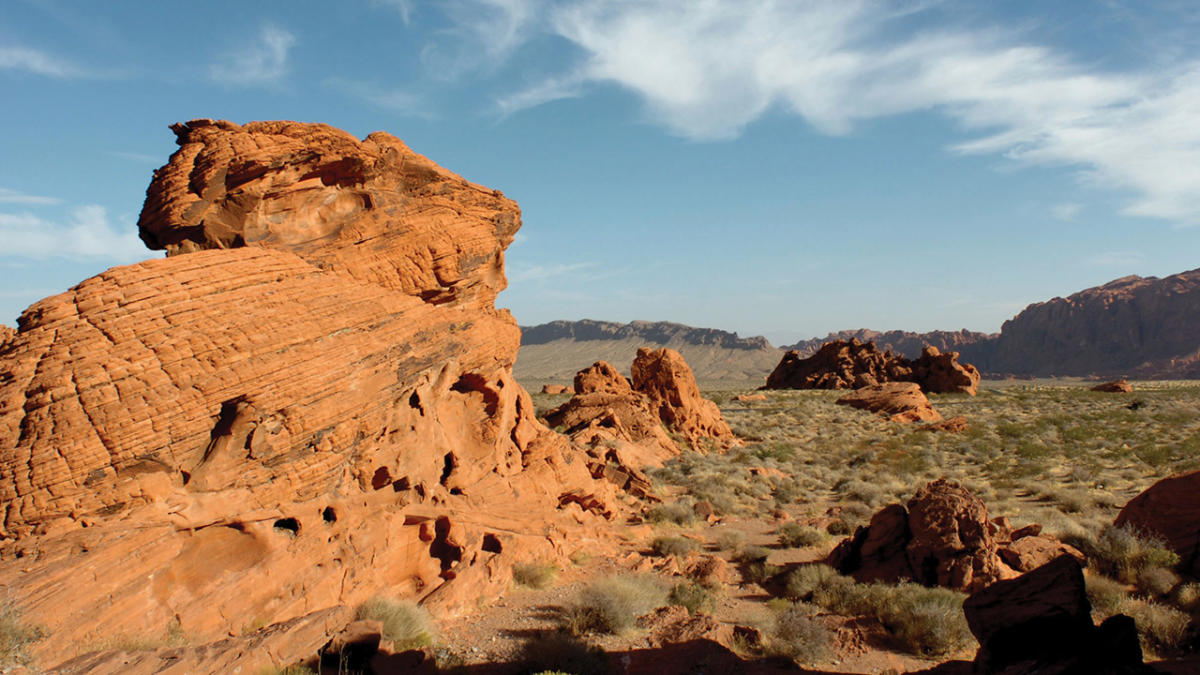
(558, 349)
(1141, 326)
(308, 402)
(905, 343)
(944, 537)
(1121, 386)
(853, 364)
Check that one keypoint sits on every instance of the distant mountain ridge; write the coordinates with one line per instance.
(655, 332)
(1142, 327)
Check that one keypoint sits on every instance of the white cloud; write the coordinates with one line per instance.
(705, 69)
(36, 62)
(258, 63)
(13, 197)
(484, 34)
(86, 235)
(534, 273)
(396, 100)
(1066, 211)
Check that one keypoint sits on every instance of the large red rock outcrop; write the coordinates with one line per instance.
(898, 401)
(1115, 387)
(1170, 509)
(1041, 622)
(943, 537)
(318, 410)
(852, 365)
(665, 378)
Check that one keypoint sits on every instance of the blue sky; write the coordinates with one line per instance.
(777, 168)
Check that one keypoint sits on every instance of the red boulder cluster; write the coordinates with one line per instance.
(853, 365)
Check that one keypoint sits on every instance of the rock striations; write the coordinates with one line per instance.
(309, 401)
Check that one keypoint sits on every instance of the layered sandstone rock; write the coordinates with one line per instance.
(898, 401)
(1041, 622)
(943, 537)
(318, 410)
(1170, 509)
(853, 365)
(662, 397)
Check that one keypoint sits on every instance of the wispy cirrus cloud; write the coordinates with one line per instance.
(403, 101)
(1066, 210)
(87, 234)
(13, 197)
(705, 70)
(36, 62)
(537, 273)
(261, 62)
(1123, 259)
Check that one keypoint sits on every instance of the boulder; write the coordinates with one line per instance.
(954, 425)
(943, 537)
(851, 364)
(898, 401)
(749, 398)
(665, 378)
(1041, 622)
(1170, 509)
(1121, 386)
(308, 401)
(555, 389)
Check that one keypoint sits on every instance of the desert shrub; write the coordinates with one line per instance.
(1105, 595)
(697, 598)
(404, 622)
(793, 535)
(1124, 554)
(806, 579)
(287, 670)
(613, 604)
(760, 572)
(1161, 628)
(679, 513)
(1156, 581)
(801, 636)
(558, 652)
(665, 546)
(15, 636)
(751, 554)
(787, 492)
(1187, 596)
(839, 528)
(730, 540)
(535, 574)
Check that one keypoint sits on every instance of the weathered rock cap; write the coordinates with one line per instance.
(898, 401)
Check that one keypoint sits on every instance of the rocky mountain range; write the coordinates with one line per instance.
(1142, 327)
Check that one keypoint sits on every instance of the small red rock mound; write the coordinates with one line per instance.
(662, 397)
(1041, 622)
(853, 364)
(555, 389)
(1115, 387)
(1170, 509)
(749, 398)
(898, 401)
(943, 537)
(954, 425)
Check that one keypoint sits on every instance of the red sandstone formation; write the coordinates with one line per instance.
(1170, 509)
(1041, 622)
(749, 398)
(954, 425)
(555, 389)
(1115, 387)
(610, 409)
(898, 401)
(319, 409)
(943, 537)
(854, 364)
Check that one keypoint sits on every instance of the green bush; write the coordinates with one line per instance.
(404, 622)
(751, 554)
(680, 546)
(1124, 554)
(1161, 627)
(613, 604)
(794, 535)
(535, 575)
(679, 513)
(697, 598)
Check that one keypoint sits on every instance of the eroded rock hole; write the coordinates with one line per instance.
(288, 526)
(414, 402)
(401, 485)
(187, 477)
(491, 543)
(473, 382)
(441, 548)
(381, 478)
(240, 527)
(329, 515)
(449, 463)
